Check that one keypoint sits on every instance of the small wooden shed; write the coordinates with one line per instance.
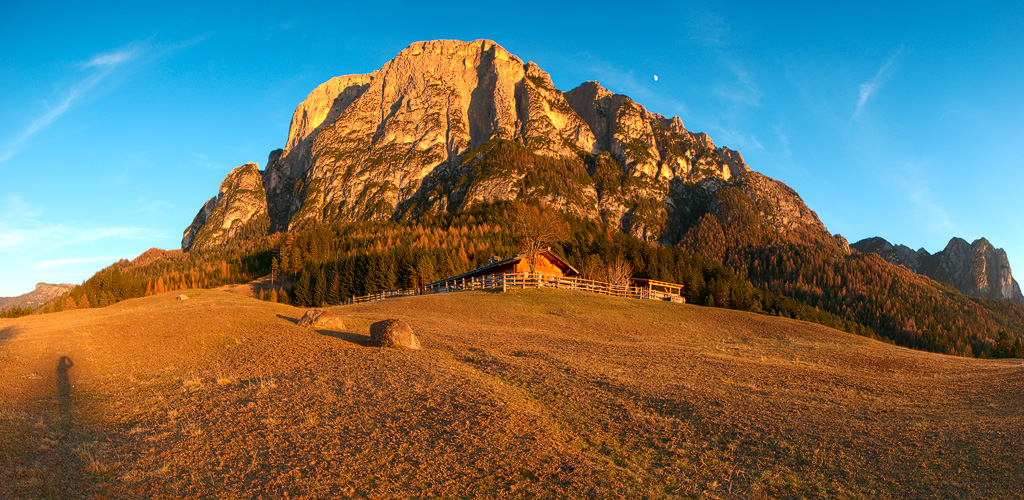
(659, 289)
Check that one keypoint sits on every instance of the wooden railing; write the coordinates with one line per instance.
(508, 281)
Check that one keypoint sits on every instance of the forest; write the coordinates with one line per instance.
(740, 267)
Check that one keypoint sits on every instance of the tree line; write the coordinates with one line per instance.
(738, 265)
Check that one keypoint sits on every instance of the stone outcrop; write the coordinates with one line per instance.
(239, 208)
(648, 144)
(977, 269)
(319, 318)
(393, 333)
(415, 137)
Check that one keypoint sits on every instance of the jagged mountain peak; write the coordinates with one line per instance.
(593, 89)
(978, 268)
(422, 134)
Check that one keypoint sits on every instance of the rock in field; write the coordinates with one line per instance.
(319, 318)
(393, 333)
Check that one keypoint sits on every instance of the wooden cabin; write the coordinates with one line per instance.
(548, 263)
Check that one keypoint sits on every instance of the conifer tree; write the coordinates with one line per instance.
(303, 294)
(319, 287)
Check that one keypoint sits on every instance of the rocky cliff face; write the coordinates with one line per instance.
(976, 269)
(42, 293)
(240, 206)
(446, 124)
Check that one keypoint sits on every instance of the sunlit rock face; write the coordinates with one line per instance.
(976, 269)
(416, 136)
(361, 145)
(240, 206)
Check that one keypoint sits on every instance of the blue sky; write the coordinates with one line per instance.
(119, 121)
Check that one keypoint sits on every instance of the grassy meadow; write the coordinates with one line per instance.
(525, 394)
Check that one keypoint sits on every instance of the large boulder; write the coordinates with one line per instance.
(393, 333)
(319, 318)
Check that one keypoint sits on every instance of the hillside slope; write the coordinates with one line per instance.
(42, 293)
(525, 394)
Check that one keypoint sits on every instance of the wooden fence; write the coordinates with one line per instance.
(508, 281)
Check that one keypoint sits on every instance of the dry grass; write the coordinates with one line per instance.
(528, 394)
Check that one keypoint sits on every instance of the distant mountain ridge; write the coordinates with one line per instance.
(977, 269)
(434, 129)
(42, 293)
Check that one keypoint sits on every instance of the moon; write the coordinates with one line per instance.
(655, 77)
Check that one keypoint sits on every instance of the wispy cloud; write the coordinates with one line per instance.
(36, 248)
(932, 214)
(203, 161)
(707, 28)
(23, 231)
(114, 58)
(50, 264)
(734, 138)
(44, 237)
(99, 67)
(787, 151)
(743, 90)
(869, 88)
(149, 204)
(911, 179)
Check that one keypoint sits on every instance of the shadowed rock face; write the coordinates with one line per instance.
(403, 141)
(976, 269)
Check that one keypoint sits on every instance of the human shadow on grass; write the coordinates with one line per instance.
(355, 338)
(64, 390)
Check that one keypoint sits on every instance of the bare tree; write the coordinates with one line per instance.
(594, 268)
(537, 227)
(619, 272)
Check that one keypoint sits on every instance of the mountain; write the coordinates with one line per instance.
(977, 269)
(447, 125)
(42, 293)
(402, 176)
